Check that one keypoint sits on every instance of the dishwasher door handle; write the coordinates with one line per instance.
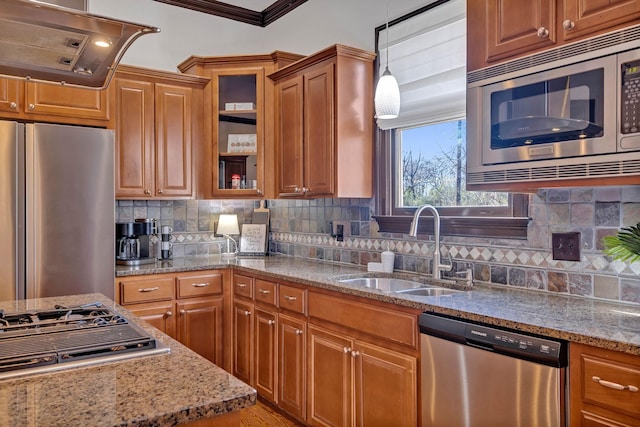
(480, 345)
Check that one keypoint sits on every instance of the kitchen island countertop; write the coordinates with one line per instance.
(610, 325)
(158, 390)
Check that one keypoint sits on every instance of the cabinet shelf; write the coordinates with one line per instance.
(246, 118)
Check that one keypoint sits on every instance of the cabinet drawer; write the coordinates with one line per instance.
(600, 377)
(293, 299)
(242, 286)
(146, 290)
(377, 321)
(265, 292)
(196, 286)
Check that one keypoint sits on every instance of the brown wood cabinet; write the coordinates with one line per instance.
(158, 121)
(604, 388)
(239, 103)
(186, 306)
(269, 340)
(324, 125)
(20, 100)
(354, 376)
(501, 29)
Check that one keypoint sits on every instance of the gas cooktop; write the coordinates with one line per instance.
(66, 337)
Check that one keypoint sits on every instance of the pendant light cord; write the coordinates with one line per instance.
(387, 46)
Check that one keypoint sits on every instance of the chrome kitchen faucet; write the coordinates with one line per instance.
(438, 266)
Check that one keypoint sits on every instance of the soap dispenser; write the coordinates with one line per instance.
(388, 259)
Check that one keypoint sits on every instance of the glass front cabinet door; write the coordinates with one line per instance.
(238, 133)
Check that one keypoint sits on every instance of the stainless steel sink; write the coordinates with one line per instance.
(385, 284)
(428, 292)
(399, 286)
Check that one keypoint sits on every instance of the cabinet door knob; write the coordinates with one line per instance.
(169, 313)
(13, 105)
(568, 24)
(247, 313)
(147, 192)
(296, 189)
(271, 322)
(31, 107)
(183, 311)
(160, 191)
(305, 190)
(543, 33)
(155, 288)
(355, 353)
(298, 331)
(259, 192)
(615, 386)
(346, 350)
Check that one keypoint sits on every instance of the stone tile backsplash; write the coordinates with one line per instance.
(301, 228)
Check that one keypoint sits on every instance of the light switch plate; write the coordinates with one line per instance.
(565, 246)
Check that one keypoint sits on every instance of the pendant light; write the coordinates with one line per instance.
(387, 96)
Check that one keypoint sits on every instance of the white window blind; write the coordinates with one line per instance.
(427, 55)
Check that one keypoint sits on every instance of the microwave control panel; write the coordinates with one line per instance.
(630, 99)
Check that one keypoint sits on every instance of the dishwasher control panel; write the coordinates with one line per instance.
(538, 349)
(512, 341)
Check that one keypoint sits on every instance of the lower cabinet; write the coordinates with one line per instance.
(269, 344)
(352, 382)
(327, 359)
(243, 341)
(186, 306)
(292, 365)
(604, 387)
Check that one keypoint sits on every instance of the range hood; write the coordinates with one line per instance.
(43, 42)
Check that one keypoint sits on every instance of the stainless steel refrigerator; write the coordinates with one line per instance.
(56, 210)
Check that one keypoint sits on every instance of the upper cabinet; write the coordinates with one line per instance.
(501, 29)
(237, 160)
(158, 121)
(324, 125)
(20, 100)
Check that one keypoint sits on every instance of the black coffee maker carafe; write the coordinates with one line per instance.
(133, 243)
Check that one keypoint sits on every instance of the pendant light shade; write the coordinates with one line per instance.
(387, 97)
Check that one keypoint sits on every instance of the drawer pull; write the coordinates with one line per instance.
(241, 285)
(290, 298)
(264, 291)
(155, 288)
(615, 386)
(199, 285)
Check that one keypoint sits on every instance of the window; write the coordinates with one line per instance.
(421, 154)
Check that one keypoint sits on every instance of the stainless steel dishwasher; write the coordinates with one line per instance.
(476, 375)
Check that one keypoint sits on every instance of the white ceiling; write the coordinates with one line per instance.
(257, 5)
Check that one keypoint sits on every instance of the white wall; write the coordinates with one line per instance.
(312, 26)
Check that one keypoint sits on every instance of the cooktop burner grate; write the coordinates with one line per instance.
(47, 340)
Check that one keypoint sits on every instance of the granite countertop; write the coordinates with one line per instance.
(145, 391)
(610, 325)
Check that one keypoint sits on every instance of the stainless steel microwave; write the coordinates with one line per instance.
(566, 113)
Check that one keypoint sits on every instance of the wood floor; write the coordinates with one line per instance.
(261, 415)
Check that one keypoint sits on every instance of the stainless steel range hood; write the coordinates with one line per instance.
(40, 41)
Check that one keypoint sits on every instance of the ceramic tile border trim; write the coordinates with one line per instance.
(591, 262)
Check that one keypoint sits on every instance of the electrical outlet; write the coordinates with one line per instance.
(565, 246)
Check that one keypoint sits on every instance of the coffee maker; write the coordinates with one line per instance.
(133, 243)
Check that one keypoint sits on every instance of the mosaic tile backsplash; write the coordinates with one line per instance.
(301, 228)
